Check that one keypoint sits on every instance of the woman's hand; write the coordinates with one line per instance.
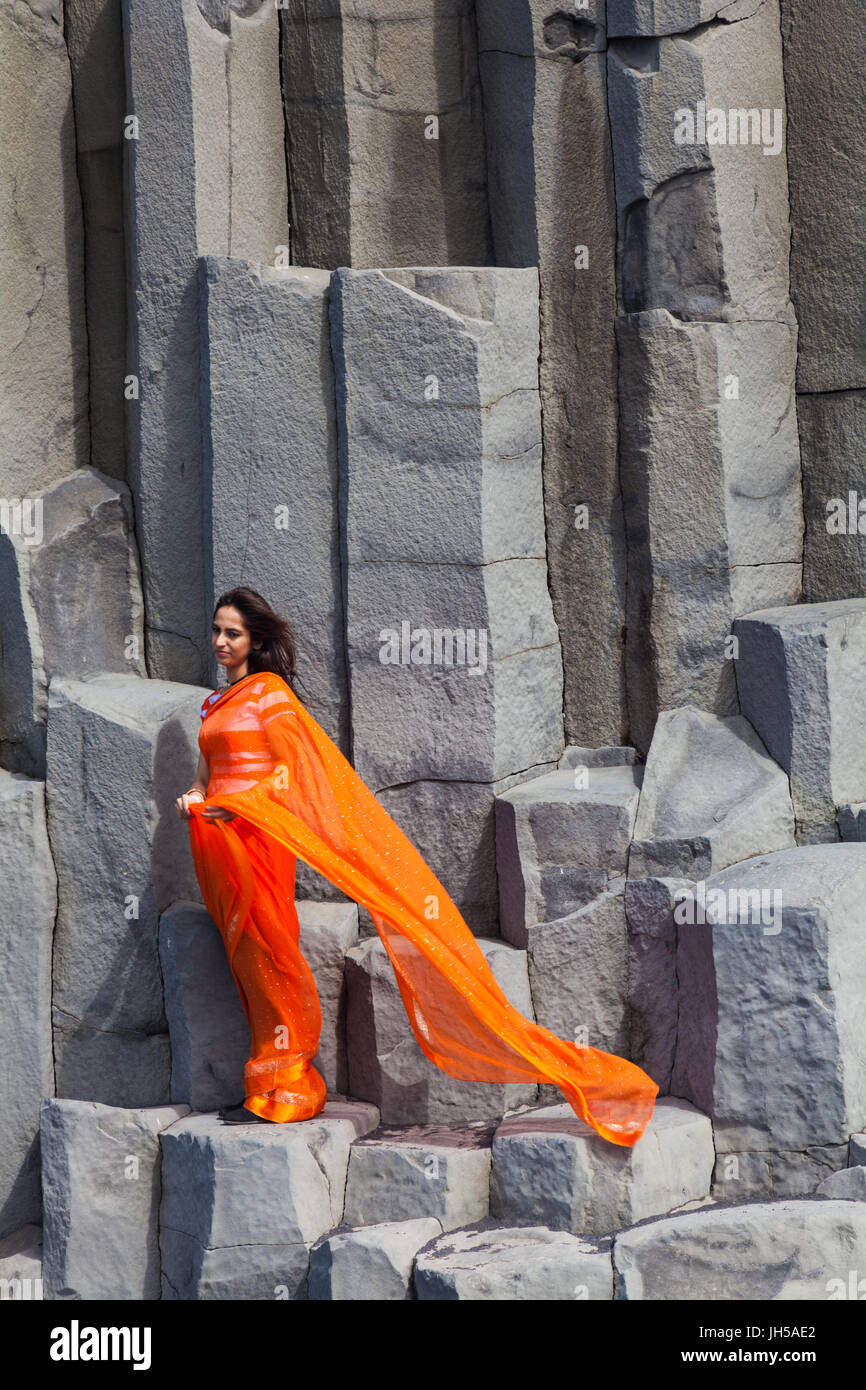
(182, 804)
(218, 813)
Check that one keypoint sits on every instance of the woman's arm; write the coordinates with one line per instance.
(198, 790)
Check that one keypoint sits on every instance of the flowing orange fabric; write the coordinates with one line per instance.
(296, 795)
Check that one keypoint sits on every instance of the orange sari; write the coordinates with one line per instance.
(296, 795)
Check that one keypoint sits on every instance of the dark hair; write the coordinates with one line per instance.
(278, 651)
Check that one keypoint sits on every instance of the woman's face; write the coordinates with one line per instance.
(230, 639)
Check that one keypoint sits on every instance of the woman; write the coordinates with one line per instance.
(271, 785)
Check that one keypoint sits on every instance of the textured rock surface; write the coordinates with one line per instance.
(374, 1263)
(214, 1176)
(710, 796)
(206, 176)
(372, 181)
(768, 1251)
(270, 385)
(832, 440)
(120, 751)
(850, 1183)
(550, 1168)
(681, 431)
(543, 74)
(29, 904)
(529, 1263)
(397, 1174)
(653, 987)
(561, 839)
(386, 1065)
(799, 677)
(93, 30)
(101, 1178)
(770, 1002)
(43, 347)
(52, 587)
(785, 1173)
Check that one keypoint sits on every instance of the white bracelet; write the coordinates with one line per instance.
(194, 791)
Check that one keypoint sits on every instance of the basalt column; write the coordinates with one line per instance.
(205, 176)
(385, 133)
(552, 205)
(825, 58)
(454, 656)
(709, 454)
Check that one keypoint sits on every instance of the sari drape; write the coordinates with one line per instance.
(296, 795)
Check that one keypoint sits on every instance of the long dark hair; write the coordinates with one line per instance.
(279, 641)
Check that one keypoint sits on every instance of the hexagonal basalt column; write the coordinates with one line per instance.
(551, 1168)
(242, 1205)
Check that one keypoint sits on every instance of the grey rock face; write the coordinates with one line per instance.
(676, 376)
(646, 17)
(386, 1065)
(799, 676)
(770, 1001)
(824, 54)
(551, 1168)
(560, 840)
(73, 605)
(373, 180)
(93, 30)
(768, 1251)
(849, 1183)
(710, 796)
(43, 348)
(832, 439)
(270, 384)
(857, 1149)
(397, 1174)
(206, 176)
(552, 204)
(449, 622)
(578, 972)
(214, 1176)
(529, 1263)
(653, 987)
(851, 821)
(374, 1263)
(120, 859)
(27, 914)
(101, 1183)
(784, 1173)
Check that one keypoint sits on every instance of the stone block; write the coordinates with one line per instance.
(120, 751)
(530, 1263)
(710, 797)
(43, 349)
(560, 840)
(78, 572)
(763, 1252)
(769, 1040)
(207, 176)
(101, 1185)
(550, 1168)
(27, 916)
(385, 134)
(799, 680)
(373, 1263)
(397, 1174)
(214, 1178)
